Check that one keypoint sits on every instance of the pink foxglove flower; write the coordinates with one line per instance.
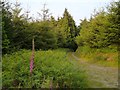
(31, 64)
(32, 57)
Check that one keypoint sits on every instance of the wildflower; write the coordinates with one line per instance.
(31, 63)
(32, 57)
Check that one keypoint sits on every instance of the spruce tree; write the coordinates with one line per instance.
(18, 22)
(114, 19)
(68, 30)
(6, 26)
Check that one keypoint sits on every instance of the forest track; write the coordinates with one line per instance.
(99, 76)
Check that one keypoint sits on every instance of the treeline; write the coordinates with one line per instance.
(18, 30)
(103, 28)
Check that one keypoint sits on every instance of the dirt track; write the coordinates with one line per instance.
(98, 76)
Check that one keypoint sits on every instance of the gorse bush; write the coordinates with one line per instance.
(51, 69)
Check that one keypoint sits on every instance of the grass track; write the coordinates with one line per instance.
(98, 76)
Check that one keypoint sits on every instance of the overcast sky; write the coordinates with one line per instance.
(79, 9)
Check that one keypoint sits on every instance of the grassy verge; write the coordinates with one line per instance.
(52, 68)
(105, 56)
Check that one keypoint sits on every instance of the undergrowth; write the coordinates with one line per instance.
(52, 69)
(104, 56)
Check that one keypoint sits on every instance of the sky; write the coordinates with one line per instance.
(79, 9)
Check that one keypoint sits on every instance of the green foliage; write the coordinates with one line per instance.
(68, 31)
(19, 26)
(45, 13)
(104, 56)
(44, 36)
(81, 38)
(6, 26)
(100, 57)
(50, 68)
(102, 30)
(95, 33)
(5, 42)
(114, 19)
(48, 33)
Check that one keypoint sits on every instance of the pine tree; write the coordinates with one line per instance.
(70, 24)
(68, 30)
(6, 26)
(114, 19)
(101, 31)
(18, 22)
(45, 13)
(83, 34)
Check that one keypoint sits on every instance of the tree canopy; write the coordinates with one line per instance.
(102, 30)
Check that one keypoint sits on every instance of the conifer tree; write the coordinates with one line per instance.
(114, 19)
(6, 26)
(18, 22)
(68, 30)
(45, 13)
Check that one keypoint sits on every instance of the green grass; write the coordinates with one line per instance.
(51, 67)
(104, 56)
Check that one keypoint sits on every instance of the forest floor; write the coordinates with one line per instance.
(98, 76)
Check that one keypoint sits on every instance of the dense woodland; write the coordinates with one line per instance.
(18, 29)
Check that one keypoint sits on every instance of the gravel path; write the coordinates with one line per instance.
(98, 76)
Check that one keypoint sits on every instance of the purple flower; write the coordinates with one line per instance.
(31, 63)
